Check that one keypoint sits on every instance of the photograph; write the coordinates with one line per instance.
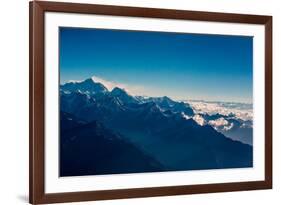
(133, 101)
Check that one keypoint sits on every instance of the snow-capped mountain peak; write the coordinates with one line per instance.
(88, 85)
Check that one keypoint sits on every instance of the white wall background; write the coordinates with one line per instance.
(14, 100)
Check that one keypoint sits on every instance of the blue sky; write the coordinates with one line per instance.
(181, 66)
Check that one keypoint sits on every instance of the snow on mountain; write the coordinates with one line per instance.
(122, 95)
(157, 126)
(88, 85)
(234, 120)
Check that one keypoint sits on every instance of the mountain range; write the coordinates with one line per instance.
(113, 132)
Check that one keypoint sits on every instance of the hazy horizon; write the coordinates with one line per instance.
(126, 88)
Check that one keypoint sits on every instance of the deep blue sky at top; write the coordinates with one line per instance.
(181, 66)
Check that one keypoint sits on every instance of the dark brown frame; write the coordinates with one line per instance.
(37, 194)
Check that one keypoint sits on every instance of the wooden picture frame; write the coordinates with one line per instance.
(37, 152)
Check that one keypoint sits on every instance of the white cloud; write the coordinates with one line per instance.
(134, 90)
(218, 122)
(226, 128)
(199, 119)
(240, 110)
(108, 84)
(221, 123)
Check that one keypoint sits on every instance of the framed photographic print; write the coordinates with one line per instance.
(139, 102)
